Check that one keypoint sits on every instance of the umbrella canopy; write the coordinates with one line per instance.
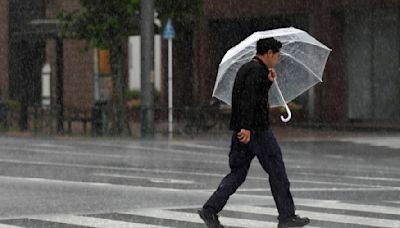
(301, 66)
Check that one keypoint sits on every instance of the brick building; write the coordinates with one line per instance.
(364, 36)
(78, 64)
(25, 50)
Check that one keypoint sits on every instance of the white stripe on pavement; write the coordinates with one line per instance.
(165, 149)
(391, 142)
(374, 178)
(193, 145)
(63, 152)
(9, 226)
(334, 204)
(308, 174)
(93, 222)
(180, 181)
(325, 189)
(329, 217)
(151, 179)
(47, 145)
(194, 218)
(14, 161)
(332, 183)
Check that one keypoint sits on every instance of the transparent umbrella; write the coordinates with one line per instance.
(301, 66)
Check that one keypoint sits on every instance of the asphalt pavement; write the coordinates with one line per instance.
(338, 179)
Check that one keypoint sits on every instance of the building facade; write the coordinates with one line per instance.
(361, 80)
(25, 53)
(362, 76)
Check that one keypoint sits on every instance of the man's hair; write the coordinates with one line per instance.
(264, 45)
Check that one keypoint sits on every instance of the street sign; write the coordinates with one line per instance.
(169, 31)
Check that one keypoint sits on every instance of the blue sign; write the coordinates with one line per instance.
(169, 31)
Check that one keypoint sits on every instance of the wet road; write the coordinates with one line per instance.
(70, 182)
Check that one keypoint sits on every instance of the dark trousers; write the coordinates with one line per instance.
(264, 146)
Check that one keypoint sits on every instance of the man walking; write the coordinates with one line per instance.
(252, 137)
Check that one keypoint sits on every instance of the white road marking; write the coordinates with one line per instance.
(64, 152)
(93, 222)
(339, 218)
(334, 204)
(168, 180)
(113, 168)
(151, 179)
(395, 202)
(14, 161)
(334, 156)
(166, 149)
(332, 183)
(391, 179)
(194, 218)
(9, 226)
(44, 180)
(392, 142)
(92, 154)
(193, 145)
(374, 178)
(325, 189)
(46, 145)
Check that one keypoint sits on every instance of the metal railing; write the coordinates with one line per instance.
(188, 120)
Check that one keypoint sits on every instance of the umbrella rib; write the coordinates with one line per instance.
(294, 96)
(320, 45)
(302, 64)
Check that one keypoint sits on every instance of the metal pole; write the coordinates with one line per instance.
(60, 85)
(96, 75)
(147, 67)
(170, 90)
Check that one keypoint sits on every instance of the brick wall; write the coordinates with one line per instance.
(78, 75)
(78, 64)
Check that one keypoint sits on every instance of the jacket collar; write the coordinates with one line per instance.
(260, 62)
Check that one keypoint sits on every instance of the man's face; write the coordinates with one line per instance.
(272, 58)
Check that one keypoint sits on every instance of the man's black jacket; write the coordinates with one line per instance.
(250, 108)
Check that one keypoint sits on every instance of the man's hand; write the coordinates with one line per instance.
(272, 74)
(244, 136)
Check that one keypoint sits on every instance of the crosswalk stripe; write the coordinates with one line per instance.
(334, 189)
(194, 218)
(93, 222)
(334, 204)
(9, 226)
(338, 218)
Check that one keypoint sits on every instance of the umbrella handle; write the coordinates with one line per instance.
(284, 119)
(287, 119)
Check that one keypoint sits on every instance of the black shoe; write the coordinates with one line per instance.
(210, 219)
(293, 221)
